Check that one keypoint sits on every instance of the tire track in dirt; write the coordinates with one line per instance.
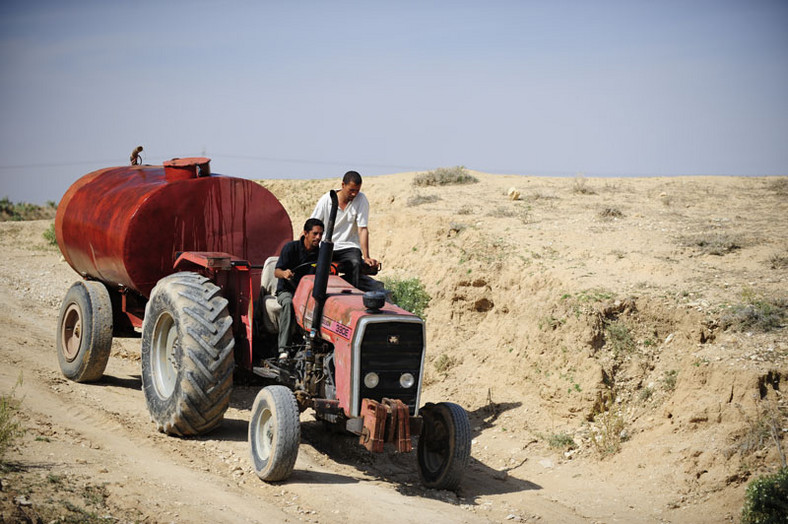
(163, 476)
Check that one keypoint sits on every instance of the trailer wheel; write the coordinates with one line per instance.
(84, 333)
(187, 354)
(444, 445)
(274, 433)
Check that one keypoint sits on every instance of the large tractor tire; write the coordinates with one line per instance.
(187, 354)
(274, 433)
(444, 445)
(84, 331)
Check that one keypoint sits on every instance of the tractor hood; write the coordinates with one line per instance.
(343, 309)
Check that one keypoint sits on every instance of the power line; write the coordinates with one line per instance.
(318, 162)
(59, 164)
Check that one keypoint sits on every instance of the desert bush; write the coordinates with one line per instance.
(417, 200)
(580, 186)
(610, 213)
(619, 338)
(444, 363)
(764, 427)
(445, 176)
(669, 379)
(10, 427)
(409, 294)
(608, 433)
(456, 228)
(465, 210)
(646, 393)
(779, 186)
(756, 314)
(714, 243)
(523, 213)
(49, 235)
(560, 440)
(778, 261)
(25, 211)
(766, 500)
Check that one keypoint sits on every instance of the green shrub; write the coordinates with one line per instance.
(766, 500)
(25, 211)
(560, 440)
(619, 338)
(669, 379)
(409, 294)
(445, 176)
(49, 235)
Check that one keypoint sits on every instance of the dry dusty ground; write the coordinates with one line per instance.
(587, 327)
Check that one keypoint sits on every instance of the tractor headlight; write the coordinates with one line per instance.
(406, 380)
(371, 379)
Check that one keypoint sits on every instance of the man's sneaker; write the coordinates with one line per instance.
(283, 355)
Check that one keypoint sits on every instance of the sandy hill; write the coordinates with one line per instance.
(620, 345)
(600, 316)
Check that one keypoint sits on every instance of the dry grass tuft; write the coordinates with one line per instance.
(715, 243)
(778, 261)
(580, 187)
(417, 200)
(756, 314)
(610, 213)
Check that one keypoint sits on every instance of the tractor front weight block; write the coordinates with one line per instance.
(385, 422)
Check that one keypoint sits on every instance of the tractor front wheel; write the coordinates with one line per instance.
(84, 331)
(444, 445)
(187, 354)
(274, 433)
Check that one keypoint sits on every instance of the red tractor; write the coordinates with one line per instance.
(184, 258)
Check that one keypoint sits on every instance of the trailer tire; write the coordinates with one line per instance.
(274, 433)
(444, 445)
(84, 331)
(187, 354)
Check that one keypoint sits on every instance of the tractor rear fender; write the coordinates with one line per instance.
(238, 280)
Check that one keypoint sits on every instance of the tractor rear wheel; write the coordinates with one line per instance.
(274, 433)
(187, 354)
(84, 331)
(444, 445)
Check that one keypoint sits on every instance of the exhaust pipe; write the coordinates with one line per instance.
(322, 270)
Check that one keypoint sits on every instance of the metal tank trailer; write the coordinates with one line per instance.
(184, 259)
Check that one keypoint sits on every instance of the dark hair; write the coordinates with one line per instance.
(352, 177)
(311, 223)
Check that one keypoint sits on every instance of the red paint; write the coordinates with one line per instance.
(125, 225)
(344, 306)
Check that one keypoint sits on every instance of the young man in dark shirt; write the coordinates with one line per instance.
(296, 260)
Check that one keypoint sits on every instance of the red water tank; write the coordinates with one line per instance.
(124, 225)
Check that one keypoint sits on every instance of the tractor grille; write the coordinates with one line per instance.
(391, 349)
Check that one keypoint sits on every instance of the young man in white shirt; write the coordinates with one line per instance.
(351, 231)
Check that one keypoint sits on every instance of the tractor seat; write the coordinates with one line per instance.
(267, 305)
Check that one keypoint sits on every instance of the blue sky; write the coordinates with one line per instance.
(312, 89)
